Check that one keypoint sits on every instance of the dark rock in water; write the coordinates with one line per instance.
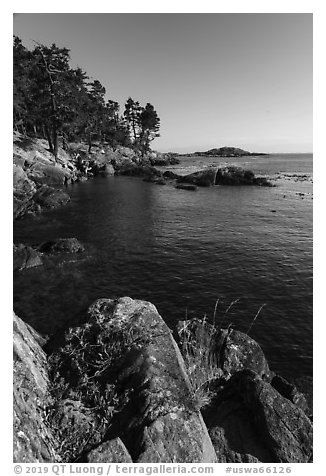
(34, 441)
(237, 176)
(230, 175)
(185, 186)
(171, 175)
(134, 170)
(203, 178)
(62, 245)
(25, 257)
(112, 451)
(234, 176)
(48, 197)
(289, 391)
(254, 418)
(157, 180)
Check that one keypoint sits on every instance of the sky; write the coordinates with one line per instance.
(215, 79)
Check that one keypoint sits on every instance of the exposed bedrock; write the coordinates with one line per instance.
(118, 389)
(126, 353)
(34, 441)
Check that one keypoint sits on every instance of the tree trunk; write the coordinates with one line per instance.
(55, 141)
(48, 136)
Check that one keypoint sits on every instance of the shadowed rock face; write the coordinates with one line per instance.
(254, 418)
(33, 439)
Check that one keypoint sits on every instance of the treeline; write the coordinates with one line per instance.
(61, 104)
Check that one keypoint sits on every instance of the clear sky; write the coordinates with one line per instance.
(216, 79)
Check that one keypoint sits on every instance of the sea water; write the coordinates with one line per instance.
(188, 252)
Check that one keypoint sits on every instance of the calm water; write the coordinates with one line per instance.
(184, 250)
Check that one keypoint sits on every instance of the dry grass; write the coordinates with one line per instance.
(201, 343)
(198, 347)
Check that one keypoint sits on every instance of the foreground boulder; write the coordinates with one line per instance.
(138, 385)
(34, 441)
(121, 391)
(253, 418)
(252, 415)
(230, 350)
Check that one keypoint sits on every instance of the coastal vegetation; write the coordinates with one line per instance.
(62, 104)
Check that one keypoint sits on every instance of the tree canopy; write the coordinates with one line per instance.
(55, 101)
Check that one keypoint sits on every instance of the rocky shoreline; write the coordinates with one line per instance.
(122, 387)
(40, 181)
(119, 388)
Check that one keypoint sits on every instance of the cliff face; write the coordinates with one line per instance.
(122, 391)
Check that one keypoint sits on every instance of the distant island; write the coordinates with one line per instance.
(224, 152)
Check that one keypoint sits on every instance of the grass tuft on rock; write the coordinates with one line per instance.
(84, 381)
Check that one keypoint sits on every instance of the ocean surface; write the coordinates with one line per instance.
(183, 251)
